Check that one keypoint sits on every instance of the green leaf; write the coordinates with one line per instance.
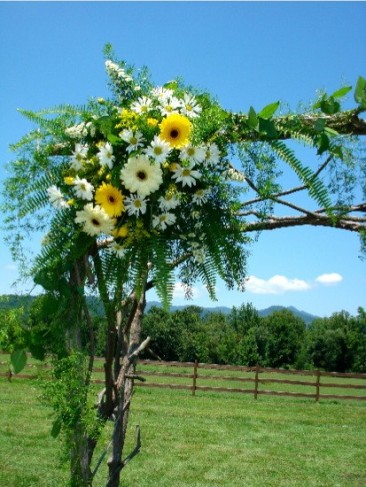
(56, 428)
(269, 110)
(252, 119)
(330, 106)
(342, 92)
(360, 92)
(18, 360)
(268, 127)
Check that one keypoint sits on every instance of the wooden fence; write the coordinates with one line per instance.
(258, 377)
(256, 380)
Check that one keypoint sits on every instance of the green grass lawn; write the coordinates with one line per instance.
(212, 439)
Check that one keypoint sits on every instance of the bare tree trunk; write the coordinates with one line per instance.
(124, 384)
(81, 475)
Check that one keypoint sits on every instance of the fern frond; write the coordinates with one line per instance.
(163, 274)
(304, 138)
(316, 188)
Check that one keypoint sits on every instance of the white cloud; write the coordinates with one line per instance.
(329, 279)
(179, 291)
(275, 285)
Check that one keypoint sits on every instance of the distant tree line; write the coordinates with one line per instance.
(241, 337)
(281, 339)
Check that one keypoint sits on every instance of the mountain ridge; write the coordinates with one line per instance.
(14, 300)
(307, 317)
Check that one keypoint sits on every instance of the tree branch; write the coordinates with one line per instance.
(315, 219)
(344, 123)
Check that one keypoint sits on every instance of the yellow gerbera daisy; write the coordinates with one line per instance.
(176, 129)
(110, 199)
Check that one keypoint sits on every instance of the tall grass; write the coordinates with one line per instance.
(212, 439)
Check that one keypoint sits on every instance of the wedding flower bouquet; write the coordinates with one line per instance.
(146, 177)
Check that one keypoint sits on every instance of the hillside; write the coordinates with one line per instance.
(14, 301)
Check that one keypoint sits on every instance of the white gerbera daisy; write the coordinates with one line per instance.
(105, 155)
(212, 154)
(94, 220)
(83, 189)
(133, 139)
(169, 106)
(190, 107)
(158, 150)
(142, 105)
(139, 176)
(135, 205)
(186, 175)
(193, 154)
(162, 221)
(79, 156)
(169, 202)
(56, 198)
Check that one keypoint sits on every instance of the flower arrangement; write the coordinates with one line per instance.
(146, 177)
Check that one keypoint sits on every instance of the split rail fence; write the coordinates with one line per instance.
(195, 377)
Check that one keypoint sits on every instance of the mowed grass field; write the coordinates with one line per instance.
(212, 439)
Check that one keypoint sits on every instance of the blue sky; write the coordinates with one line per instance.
(245, 53)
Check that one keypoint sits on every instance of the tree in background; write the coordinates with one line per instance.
(155, 184)
(338, 343)
(285, 333)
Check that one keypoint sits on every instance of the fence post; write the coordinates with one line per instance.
(317, 385)
(195, 367)
(256, 381)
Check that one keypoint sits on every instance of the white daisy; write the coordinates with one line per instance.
(94, 220)
(158, 150)
(200, 196)
(56, 198)
(186, 175)
(135, 205)
(79, 156)
(193, 154)
(134, 139)
(139, 176)
(83, 189)
(169, 202)
(105, 155)
(142, 105)
(117, 249)
(212, 154)
(162, 221)
(162, 94)
(169, 106)
(190, 107)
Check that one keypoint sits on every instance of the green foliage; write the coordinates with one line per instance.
(18, 360)
(284, 337)
(12, 329)
(360, 92)
(317, 190)
(242, 337)
(67, 393)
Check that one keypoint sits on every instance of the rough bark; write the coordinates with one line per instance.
(124, 386)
